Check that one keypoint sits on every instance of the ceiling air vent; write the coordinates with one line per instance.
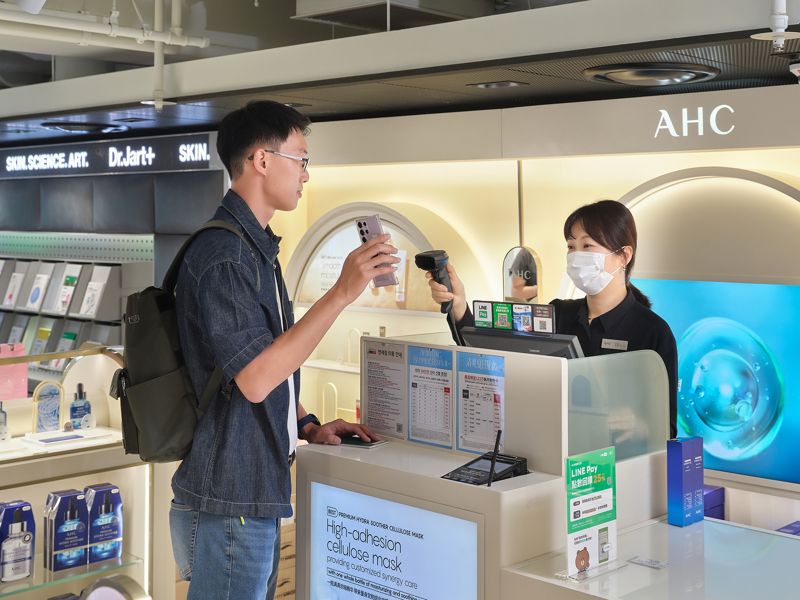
(371, 15)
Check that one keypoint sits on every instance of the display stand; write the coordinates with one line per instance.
(62, 289)
(97, 294)
(34, 464)
(514, 518)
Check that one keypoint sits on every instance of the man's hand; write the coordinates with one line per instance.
(333, 432)
(374, 257)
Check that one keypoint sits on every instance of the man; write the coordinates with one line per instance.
(233, 487)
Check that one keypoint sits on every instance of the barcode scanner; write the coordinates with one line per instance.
(435, 262)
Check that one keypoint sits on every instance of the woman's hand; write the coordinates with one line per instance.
(440, 294)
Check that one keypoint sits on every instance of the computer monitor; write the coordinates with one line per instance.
(547, 344)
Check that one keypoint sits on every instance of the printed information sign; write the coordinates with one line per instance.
(481, 400)
(385, 368)
(430, 396)
(591, 510)
(368, 547)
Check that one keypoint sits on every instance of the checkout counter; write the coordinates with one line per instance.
(383, 522)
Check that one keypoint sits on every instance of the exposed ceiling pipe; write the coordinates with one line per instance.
(176, 20)
(158, 56)
(778, 22)
(108, 28)
(80, 38)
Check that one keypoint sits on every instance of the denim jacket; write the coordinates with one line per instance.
(238, 464)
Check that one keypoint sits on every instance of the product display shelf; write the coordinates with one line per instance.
(709, 559)
(43, 579)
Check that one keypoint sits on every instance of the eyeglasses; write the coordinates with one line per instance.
(300, 159)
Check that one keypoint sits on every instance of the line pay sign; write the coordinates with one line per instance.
(591, 511)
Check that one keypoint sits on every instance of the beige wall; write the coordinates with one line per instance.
(468, 208)
(554, 187)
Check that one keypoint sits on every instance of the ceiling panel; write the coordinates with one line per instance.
(743, 63)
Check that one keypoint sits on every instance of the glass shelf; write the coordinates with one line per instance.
(43, 578)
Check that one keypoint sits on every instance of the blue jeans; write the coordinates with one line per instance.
(225, 557)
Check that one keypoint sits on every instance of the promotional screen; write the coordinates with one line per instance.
(367, 547)
(738, 376)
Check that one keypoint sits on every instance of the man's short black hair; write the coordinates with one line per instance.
(261, 122)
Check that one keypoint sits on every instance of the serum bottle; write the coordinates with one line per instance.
(80, 410)
(16, 551)
(4, 435)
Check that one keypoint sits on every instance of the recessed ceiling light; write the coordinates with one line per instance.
(495, 85)
(296, 104)
(81, 127)
(651, 74)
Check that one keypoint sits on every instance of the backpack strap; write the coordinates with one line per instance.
(213, 385)
(171, 278)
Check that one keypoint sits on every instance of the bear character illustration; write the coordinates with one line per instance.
(582, 559)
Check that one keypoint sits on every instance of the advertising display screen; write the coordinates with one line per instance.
(368, 547)
(738, 376)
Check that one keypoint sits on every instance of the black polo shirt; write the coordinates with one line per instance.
(627, 327)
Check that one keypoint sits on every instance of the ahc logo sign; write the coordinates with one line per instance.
(694, 124)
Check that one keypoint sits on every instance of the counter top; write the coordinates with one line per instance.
(707, 560)
(416, 459)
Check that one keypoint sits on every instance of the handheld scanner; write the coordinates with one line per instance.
(435, 261)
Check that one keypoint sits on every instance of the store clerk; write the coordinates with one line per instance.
(614, 316)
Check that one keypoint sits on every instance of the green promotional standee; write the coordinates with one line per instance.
(591, 510)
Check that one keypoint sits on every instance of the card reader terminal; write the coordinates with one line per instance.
(476, 471)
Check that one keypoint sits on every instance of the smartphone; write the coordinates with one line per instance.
(368, 228)
(354, 440)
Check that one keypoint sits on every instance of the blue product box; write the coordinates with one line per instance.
(684, 481)
(17, 540)
(791, 528)
(68, 533)
(105, 521)
(714, 501)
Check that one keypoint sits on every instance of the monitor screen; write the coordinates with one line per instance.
(548, 344)
(367, 547)
(738, 376)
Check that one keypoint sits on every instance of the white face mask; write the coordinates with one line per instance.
(588, 271)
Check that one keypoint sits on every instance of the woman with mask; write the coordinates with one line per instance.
(614, 316)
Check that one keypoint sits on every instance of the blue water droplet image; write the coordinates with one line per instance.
(737, 413)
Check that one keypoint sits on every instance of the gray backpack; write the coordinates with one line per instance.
(160, 410)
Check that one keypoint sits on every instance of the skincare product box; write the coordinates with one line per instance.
(792, 528)
(17, 540)
(714, 501)
(684, 481)
(105, 521)
(66, 518)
